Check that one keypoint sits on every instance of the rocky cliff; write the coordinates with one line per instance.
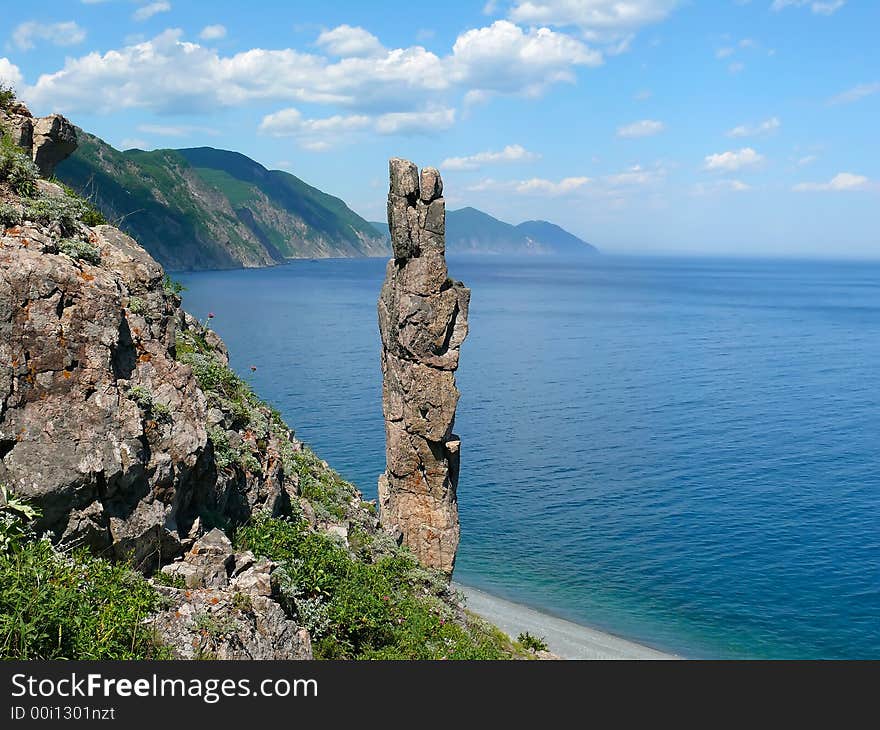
(119, 418)
(121, 422)
(423, 322)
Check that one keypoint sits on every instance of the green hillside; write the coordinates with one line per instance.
(204, 208)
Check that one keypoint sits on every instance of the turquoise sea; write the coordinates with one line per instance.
(683, 452)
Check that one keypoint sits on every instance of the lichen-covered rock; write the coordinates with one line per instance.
(225, 610)
(99, 425)
(103, 424)
(423, 322)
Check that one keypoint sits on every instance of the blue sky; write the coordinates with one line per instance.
(730, 127)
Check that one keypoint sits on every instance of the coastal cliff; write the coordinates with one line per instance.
(122, 427)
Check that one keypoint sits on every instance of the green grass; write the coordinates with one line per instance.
(16, 168)
(388, 609)
(55, 606)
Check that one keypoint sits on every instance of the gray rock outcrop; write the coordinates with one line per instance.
(423, 322)
(49, 140)
(225, 609)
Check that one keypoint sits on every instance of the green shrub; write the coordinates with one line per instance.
(81, 250)
(50, 210)
(531, 643)
(147, 402)
(91, 216)
(172, 287)
(17, 169)
(358, 610)
(224, 455)
(7, 96)
(55, 606)
(136, 305)
(16, 516)
(9, 215)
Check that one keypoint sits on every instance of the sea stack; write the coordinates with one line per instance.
(423, 322)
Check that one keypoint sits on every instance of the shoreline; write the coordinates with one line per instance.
(565, 639)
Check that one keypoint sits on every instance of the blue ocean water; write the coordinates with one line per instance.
(684, 452)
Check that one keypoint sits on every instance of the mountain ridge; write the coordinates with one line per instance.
(204, 208)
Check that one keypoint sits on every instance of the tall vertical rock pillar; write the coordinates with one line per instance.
(423, 321)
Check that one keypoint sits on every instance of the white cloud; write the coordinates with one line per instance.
(134, 143)
(186, 130)
(534, 186)
(213, 32)
(596, 18)
(168, 74)
(768, 126)
(433, 120)
(725, 52)
(511, 153)
(291, 123)
(68, 33)
(806, 160)
(145, 12)
(819, 7)
(856, 93)
(346, 40)
(322, 134)
(643, 128)
(507, 59)
(9, 72)
(731, 186)
(636, 175)
(540, 186)
(841, 182)
(731, 161)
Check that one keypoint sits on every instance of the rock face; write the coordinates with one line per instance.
(49, 140)
(225, 610)
(77, 364)
(423, 322)
(102, 425)
(54, 140)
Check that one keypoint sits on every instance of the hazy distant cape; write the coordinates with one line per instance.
(469, 230)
